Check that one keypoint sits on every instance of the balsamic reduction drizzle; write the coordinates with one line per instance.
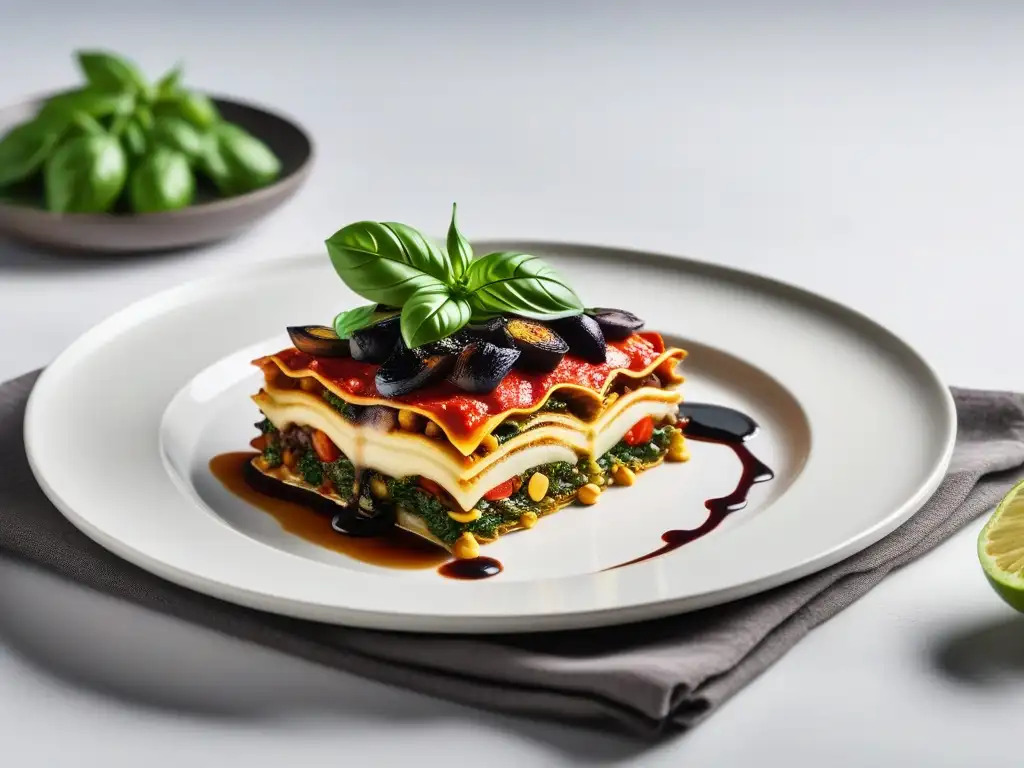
(308, 515)
(472, 570)
(709, 423)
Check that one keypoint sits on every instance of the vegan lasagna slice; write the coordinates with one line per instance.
(461, 467)
(473, 398)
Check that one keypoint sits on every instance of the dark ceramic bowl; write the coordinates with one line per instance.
(203, 222)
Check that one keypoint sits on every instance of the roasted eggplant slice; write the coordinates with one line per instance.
(540, 348)
(375, 343)
(616, 324)
(481, 366)
(318, 340)
(584, 337)
(493, 331)
(407, 370)
(449, 345)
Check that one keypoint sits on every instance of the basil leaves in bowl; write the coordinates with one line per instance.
(122, 164)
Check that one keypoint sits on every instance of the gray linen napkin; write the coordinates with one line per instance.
(648, 679)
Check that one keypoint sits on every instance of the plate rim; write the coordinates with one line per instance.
(564, 619)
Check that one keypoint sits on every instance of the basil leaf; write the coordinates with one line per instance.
(109, 72)
(163, 181)
(238, 162)
(353, 319)
(387, 262)
(520, 284)
(144, 116)
(61, 108)
(168, 84)
(85, 175)
(196, 108)
(87, 125)
(118, 124)
(460, 252)
(134, 139)
(176, 133)
(432, 314)
(24, 149)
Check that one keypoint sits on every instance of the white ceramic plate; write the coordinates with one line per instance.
(857, 428)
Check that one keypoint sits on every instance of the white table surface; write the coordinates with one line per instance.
(872, 153)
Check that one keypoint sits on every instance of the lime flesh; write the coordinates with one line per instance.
(1001, 548)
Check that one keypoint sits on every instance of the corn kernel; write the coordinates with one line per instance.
(677, 450)
(588, 494)
(290, 459)
(623, 475)
(528, 519)
(432, 430)
(489, 443)
(409, 420)
(378, 488)
(537, 488)
(460, 516)
(466, 547)
(309, 384)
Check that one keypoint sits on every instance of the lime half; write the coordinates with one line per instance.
(1001, 548)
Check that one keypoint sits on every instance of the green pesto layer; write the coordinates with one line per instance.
(497, 516)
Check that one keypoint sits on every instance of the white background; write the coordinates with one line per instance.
(870, 151)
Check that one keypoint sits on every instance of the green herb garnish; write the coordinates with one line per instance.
(311, 469)
(342, 475)
(121, 142)
(272, 454)
(439, 290)
(352, 320)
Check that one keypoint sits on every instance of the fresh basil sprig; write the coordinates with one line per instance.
(86, 175)
(431, 314)
(520, 284)
(387, 262)
(113, 74)
(148, 145)
(351, 320)
(441, 291)
(23, 150)
(163, 181)
(459, 250)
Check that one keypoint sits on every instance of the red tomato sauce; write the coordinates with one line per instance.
(462, 413)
